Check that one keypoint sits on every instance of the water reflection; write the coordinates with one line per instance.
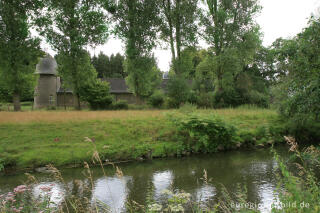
(205, 193)
(112, 191)
(267, 196)
(162, 181)
(253, 169)
(54, 191)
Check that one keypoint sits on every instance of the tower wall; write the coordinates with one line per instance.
(46, 91)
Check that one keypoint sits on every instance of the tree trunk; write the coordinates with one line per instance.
(16, 102)
(178, 37)
(64, 99)
(169, 19)
(77, 104)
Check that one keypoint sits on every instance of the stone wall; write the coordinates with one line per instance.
(46, 91)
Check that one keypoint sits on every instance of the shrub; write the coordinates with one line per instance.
(206, 134)
(97, 95)
(119, 105)
(226, 98)
(205, 100)
(178, 91)
(259, 99)
(156, 99)
(193, 97)
(304, 128)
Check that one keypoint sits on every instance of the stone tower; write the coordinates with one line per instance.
(48, 83)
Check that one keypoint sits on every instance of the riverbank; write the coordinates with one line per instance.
(30, 140)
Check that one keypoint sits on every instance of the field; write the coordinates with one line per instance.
(36, 138)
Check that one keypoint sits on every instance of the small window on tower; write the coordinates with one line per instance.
(51, 100)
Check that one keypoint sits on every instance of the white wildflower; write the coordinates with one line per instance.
(155, 207)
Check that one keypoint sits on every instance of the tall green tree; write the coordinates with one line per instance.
(102, 65)
(136, 26)
(116, 66)
(178, 27)
(70, 26)
(190, 58)
(297, 89)
(299, 62)
(19, 52)
(109, 67)
(230, 30)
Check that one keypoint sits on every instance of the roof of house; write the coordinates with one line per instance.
(47, 65)
(118, 85)
(62, 90)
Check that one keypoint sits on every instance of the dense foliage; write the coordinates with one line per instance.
(178, 91)
(19, 52)
(109, 67)
(300, 184)
(97, 95)
(136, 26)
(70, 26)
(178, 27)
(157, 99)
(206, 134)
(297, 92)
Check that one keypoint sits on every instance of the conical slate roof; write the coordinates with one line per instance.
(47, 65)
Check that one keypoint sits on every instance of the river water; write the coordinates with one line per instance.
(254, 169)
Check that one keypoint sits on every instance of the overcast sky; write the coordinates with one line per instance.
(279, 18)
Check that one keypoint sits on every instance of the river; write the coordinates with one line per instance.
(200, 175)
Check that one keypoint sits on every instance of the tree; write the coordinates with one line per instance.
(102, 65)
(298, 88)
(70, 26)
(86, 73)
(97, 95)
(178, 91)
(190, 58)
(232, 33)
(116, 66)
(19, 52)
(178, 27)
(146, 77)
(136, 25)
(204, 75)
(109, 67)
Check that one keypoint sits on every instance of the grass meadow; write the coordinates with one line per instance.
(36, 138)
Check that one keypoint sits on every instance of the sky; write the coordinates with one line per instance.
(278, 18)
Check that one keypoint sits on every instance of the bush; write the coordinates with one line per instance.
(97, 95)
(205, 100)
(259, 99)
(156, 99)
(120, 105)
(304, 128)
(206, 134)
(193, 97)
(178, 91)
(227, 98)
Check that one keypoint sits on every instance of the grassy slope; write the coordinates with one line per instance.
(31, 139)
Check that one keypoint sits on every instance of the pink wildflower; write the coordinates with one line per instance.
(20, 189)
(45, 188)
